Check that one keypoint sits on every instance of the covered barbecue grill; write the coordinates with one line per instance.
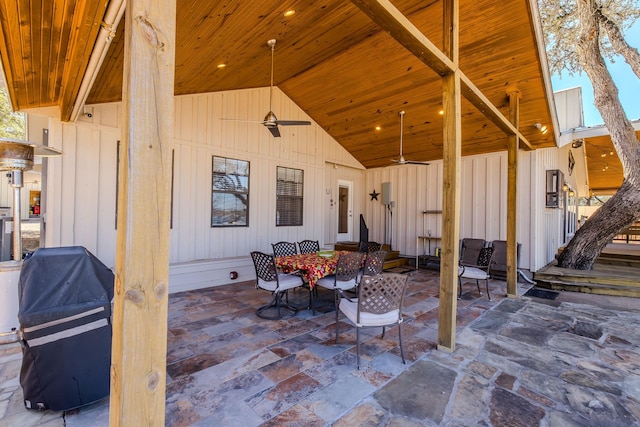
(65, 326)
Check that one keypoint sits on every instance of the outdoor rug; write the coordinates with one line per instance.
(541, 293)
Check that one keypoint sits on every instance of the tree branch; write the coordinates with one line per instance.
(619, 43)
(606, 97)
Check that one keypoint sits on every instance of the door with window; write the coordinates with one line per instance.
(345, 211)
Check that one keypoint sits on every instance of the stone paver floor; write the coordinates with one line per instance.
(517, 362)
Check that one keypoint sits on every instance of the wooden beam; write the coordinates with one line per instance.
(451, 176)
(390, 19)
(138, 371)
(482, 103)
(512, 198)
(383, 13)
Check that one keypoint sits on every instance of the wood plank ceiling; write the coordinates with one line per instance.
(331, 59)
(604, 168)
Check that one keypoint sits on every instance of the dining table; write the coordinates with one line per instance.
(313, 266)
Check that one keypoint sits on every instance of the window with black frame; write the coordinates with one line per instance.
(289, 191)
(230, 193)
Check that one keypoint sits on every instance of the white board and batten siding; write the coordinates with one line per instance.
(82, 183)
(81, 194)
(418, 188)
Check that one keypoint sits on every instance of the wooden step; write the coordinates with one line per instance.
(392, 259)
(600, 275)
(613, 259)
(395, 262)
(603, 279)
(589, 288)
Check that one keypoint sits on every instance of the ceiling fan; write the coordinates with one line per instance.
(402, 160)
(270, 121)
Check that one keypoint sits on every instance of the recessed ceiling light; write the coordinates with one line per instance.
(289, 13)
(378, 128)
(441, 112)
(221, 65)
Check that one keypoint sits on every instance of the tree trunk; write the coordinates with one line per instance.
(624, 207)
(615, 215)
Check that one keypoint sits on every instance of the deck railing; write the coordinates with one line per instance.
(630, 235)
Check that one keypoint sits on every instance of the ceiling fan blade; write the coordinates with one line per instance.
(274, 131)
(293, 122)
(403, 161)
(270, 121)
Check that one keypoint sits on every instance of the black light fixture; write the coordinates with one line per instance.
(577, 143)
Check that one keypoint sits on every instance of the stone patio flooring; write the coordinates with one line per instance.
(522, 362)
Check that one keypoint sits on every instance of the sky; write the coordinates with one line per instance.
(627, 83)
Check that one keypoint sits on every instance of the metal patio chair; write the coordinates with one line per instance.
(284, 249)
(378, 304)
(309, 246)
(268, 278)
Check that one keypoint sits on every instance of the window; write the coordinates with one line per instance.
(289, 190)
(555, 180)
(230, 193)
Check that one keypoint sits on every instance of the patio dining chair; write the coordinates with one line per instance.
(378, 304)
(367, 247)
(373, 264)
(477, 271)
(284, 249)
(345, 277)
(268, 278)
(470, 250)
(309, 246)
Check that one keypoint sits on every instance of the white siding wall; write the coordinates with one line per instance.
(81, 196)
(81, 186)
(417, 188)
(82, 183)
(569, 108)
(546, 227)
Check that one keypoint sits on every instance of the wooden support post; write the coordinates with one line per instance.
(512, 197)
(138, 365)
(451, 176)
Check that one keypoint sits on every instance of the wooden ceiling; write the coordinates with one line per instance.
(346, 73)
(603, 165)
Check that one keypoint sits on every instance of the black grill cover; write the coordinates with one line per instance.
(65, 321)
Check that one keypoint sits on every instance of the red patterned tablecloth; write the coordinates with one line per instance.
(312, 266)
